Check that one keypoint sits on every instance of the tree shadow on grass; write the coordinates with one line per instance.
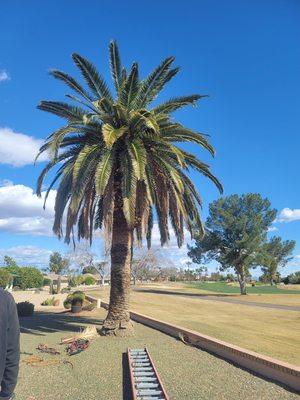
(170, 292)
(42, 323)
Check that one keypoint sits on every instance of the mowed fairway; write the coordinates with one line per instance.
(272, 332)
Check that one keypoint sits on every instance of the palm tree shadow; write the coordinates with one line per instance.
(42, 323)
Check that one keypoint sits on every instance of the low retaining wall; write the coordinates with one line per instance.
(268, 367)
(94, 300)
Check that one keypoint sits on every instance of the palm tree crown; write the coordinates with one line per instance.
(122, 142)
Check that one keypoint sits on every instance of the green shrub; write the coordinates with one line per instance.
(29, 277)
(67, 304)
(74, 298)
(79, 280)
(25, 309)
(78, 297)
(52, 301)
(46, 282)
(72, 282)
(89, 280)
(5, 278)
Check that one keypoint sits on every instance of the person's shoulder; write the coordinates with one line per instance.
(5, 296)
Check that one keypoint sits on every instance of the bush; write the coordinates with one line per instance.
(78, 297)
(74, 298)
(65, 290)
(67, 304)
(29, 277)
(89, 280)
(72, 282)
(292, 278)
(46, 282)
(5, 278)
(50, 302)
(25, 309)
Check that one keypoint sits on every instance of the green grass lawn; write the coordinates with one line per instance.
(223, 287)
(272, 332)
(101, 372)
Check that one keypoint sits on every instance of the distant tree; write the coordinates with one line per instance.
(29, 277)
(90, 269)
(230, 277)
(236, 229)
(293, 278)
(58, 265)
(216, 277)
(10, 265)
(200, 272)
(5, 278)
(276, 254)
(145, 265)
(84, 260)
(102, 269)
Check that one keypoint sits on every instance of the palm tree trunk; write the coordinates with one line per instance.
(118, 319)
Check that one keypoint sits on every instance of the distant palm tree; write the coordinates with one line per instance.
(119, 167)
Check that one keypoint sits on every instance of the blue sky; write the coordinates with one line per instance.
(244, 54)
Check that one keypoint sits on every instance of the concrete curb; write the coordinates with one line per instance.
(267, 367)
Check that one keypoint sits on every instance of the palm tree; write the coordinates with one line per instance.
(119, 168)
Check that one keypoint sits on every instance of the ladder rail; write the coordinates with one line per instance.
(130, 362)
(157, 375)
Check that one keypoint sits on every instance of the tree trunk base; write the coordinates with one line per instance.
(119, 328)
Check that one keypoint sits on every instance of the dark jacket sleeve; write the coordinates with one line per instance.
(11, 371)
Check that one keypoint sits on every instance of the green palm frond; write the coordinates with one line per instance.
(177, 102)
(139, 158)
(103, 172)
(115, 64)
(118, 154)
(111, 134)
(63, 110)
(178, 133)
(152, 82)
(95, 82)
(71, 82)
(131, 86)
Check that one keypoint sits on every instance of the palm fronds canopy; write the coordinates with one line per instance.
(122, 139)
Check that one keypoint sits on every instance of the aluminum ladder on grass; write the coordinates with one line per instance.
(145, 381)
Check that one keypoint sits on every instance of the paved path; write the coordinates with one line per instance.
(222, 298)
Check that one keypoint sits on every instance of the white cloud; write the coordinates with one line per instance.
(289, 215)
(295, 262)
(272, 229)
(21, 211)
(28, 255)
(4, 76)
(17, 149)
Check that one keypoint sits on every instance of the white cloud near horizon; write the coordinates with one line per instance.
(27, 255)
(21, 211)
(18, 149)
(4, 76)
(288, 215)
(294, 263)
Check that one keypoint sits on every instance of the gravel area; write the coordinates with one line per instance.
(38, 298)
(101, 372)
